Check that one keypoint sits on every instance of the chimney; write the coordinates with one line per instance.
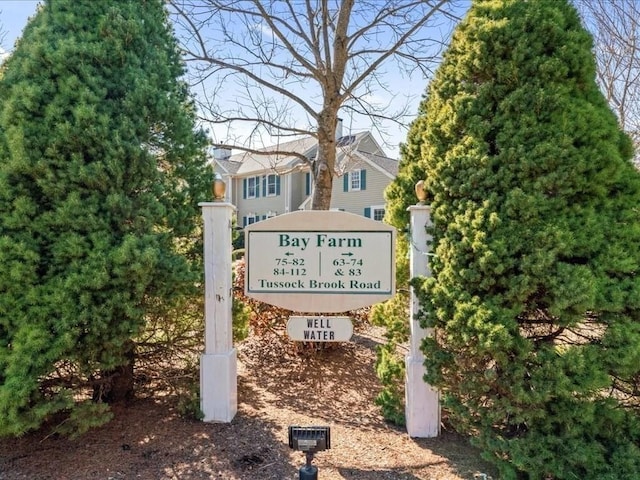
(220, 153)
(339, 129)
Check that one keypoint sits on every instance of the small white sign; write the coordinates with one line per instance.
(319, 329)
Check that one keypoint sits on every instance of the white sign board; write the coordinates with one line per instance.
(319, 329)
(320, 261)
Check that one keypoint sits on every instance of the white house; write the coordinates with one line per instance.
(265, 185)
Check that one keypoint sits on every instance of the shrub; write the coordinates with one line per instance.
(101, 169)
(535, 295)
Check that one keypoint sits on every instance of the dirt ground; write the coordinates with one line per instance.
(148, 439)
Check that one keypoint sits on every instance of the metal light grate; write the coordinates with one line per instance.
(309, 439)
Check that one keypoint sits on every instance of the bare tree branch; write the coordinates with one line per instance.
(395, 48)
(292, 66)
(615, 26)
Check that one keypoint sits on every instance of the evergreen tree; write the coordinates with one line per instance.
(400, 194)
(535, 295)
(101, 169)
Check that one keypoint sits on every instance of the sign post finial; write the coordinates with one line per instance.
(421, 192)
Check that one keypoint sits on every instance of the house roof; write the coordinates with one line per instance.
(249, 163)
(229, 166)
(388, 165)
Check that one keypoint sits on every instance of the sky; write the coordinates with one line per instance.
(14, 15)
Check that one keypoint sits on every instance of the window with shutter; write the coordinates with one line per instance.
(375, 212)
(253, 187)
(271, 185)
(354, 180)
(250, 219)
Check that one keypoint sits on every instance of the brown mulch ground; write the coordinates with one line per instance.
(148, 439)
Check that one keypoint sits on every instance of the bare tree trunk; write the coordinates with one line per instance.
(324, 166)
(117, 385)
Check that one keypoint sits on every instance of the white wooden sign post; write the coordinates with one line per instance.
(422, 407)
(312, 261)
(218, 363)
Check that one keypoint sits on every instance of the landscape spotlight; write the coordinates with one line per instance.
(309, 440)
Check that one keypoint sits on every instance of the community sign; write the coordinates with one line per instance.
(320, 261)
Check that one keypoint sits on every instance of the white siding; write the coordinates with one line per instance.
(356, 202)
(367, 144)
(297, 189)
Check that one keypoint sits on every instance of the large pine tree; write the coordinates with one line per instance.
(101, 168)
(535, 295)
